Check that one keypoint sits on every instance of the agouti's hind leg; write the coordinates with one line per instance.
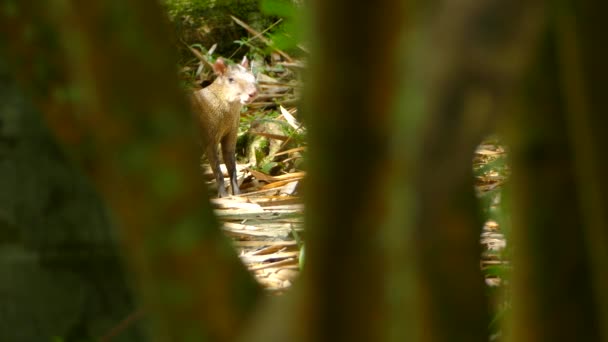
(212, 156)
(228, 149)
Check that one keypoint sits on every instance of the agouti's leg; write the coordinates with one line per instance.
(228, 149)
(214, 161)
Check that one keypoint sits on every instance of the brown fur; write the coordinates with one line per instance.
(219, 107)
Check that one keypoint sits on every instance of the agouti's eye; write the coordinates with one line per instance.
(230, 79)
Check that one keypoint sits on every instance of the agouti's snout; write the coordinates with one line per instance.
(252, 96)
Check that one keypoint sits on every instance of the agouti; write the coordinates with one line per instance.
(218, 107)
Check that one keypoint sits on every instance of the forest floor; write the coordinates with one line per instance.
(267, 220)
(265, 224)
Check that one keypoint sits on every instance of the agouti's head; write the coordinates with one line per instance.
(236, 81)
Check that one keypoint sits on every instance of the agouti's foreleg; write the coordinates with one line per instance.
(228, 153)
(214, 162)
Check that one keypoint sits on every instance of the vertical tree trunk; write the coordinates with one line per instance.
(352, 85)
(559, 184)
(467, 73)
(61, 271)
(131, 130)
(462, 75)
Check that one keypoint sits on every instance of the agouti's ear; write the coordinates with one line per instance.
(219, 67)
(245, 62)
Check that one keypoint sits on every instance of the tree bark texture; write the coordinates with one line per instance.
(60, 267)
(559, 187)
(104, 74)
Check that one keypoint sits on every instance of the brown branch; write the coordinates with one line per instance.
(123, 325)
(261, 37)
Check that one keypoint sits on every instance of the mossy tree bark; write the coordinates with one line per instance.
(352, 87)
(60, 268)
(104, 75)
(399, 233)
(559, 185)
(465, 73)
(392, 250)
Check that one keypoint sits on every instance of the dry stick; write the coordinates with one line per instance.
(278, 84)
(268, 178)
(261, 37)
(285, 140)
(267, 29)
(288, 101)
(263, 258)
(257, 36)
(267, 96)
(289, 138)
(258, 192)
(296, 149)
(290, 159)
(272, 136)
(198, 55)
(123, 325)
(278, 184)
(296, 64)
(264, 243)
(273, 264)
(272, 249)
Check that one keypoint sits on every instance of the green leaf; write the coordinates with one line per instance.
(268, 167)
(281, 8)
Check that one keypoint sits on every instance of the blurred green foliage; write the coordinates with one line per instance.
(180, 8)
(282, 18)
(289, 33)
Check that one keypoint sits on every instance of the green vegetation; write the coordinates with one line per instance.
(404, 172)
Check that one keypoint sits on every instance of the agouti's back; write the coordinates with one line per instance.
(218, 107)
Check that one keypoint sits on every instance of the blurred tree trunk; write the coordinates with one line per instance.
(467, 71)
(394, 248)
(60, 270)
(559, 184)
(352, 84)
(105, 77)
(393, 227)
